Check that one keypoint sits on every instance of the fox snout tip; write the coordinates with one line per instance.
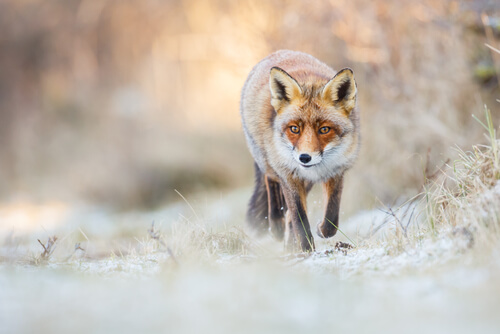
(305, 158)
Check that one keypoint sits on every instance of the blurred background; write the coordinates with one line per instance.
(118, 103)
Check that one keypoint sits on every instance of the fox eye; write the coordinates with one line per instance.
(294, 129)
(324, 130)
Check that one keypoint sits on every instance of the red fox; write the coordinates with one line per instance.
(302, 127)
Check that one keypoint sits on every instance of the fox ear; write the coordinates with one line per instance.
(341, 90)
(283, 87)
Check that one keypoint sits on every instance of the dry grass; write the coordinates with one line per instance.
(467, 198)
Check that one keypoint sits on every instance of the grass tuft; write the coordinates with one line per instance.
(467, 198)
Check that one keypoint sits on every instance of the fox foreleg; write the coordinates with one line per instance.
(299, 233)
(333, 190)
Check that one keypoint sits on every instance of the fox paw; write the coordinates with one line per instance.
(325, 230)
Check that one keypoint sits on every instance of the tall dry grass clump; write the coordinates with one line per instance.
(467, 198)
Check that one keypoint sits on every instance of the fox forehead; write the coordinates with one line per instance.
(314, 115)
(311, 107)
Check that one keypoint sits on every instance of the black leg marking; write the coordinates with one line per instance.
(257, 214)
(277, 207)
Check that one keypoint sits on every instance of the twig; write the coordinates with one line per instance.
(391, 213)
(49, 248)
(155, 235)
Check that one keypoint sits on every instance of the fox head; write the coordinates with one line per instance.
(314, 125)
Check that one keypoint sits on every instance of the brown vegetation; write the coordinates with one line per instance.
(121, 102)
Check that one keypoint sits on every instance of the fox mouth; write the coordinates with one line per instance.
(308, 166)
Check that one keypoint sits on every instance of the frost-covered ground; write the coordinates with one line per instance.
(198, 272)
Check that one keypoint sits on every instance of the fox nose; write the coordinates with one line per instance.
(305, 158)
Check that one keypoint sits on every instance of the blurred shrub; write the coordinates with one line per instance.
(121, 101)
